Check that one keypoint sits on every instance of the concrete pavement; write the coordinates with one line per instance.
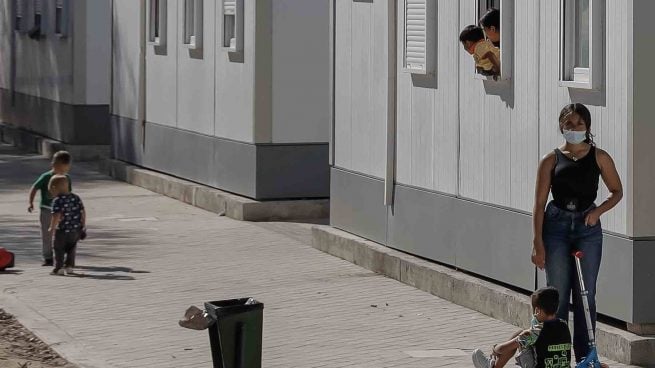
(148, 257)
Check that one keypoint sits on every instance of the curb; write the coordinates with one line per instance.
(58, 340)
(47, 147)
(214, 200)
(465, 290)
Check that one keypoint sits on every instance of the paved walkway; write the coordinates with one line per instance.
(149, 257)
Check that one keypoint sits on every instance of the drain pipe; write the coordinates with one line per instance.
(390, 168)
(12, 67)
(142, 74)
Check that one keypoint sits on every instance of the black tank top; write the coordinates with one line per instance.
(574, 184)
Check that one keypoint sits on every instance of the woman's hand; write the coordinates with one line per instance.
(539, 254)
(592, 217)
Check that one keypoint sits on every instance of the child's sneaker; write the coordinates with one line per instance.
(58, 273)
(480, 360)
(70, 270)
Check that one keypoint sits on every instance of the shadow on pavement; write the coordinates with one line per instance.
(108, 276)
(109, 269)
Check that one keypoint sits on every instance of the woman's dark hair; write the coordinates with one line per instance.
(582, 111)
(491, 19)
(471, 33)
(546, 299)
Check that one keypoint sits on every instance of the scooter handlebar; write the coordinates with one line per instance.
(578, 254)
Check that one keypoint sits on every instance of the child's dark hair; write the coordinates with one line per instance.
(546, 299)
(491, 19)
(585, 115)
(471, 33)
(61, 158)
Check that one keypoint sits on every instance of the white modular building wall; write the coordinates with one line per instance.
(230, 112)
(61, 81)
(465, 150)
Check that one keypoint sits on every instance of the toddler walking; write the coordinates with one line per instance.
(68, 221)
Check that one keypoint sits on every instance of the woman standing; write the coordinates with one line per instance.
(571, 221)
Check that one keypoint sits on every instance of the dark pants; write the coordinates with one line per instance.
(64, 247)
(564, 233)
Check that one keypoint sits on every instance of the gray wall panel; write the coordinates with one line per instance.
(357, 205)
(644, 279)
(126, 138)
(421, 223)
(257, 171)
(615, 284)
(282, 169)
(73, 124)
(495, 243)
(234, 167)
(485, 240)
(181, 153)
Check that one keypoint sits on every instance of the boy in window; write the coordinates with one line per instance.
(490, 23)
(546, 344)
(485, 54)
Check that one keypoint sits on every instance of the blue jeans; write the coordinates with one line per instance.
(565, 232)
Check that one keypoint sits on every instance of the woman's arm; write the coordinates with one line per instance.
(542, 189)
(612, 181)
(494, 60)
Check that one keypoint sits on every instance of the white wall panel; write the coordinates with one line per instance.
(362, 67)
(5, 43)
(195, 79)
(301, 57)
(235, 83)
(126, 50)
(161, 73)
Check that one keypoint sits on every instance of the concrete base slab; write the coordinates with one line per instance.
(214, 200)
(468, 291)
(35, 143)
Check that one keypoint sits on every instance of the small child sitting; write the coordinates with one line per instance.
(68, 221)
(485, 54)
(547, 343)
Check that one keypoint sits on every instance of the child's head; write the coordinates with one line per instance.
(545, 302)
(469, 36)
(490, 22)
(58, 185)
(61, 162)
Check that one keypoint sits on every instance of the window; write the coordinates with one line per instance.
(61, 18)
(36, 31)
(581, 43)
(505, 43)
(157, 15)
(193, 24)
(19, 21)
(233, 25)
(419, 34)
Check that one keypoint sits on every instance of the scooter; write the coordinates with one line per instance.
(591, 360)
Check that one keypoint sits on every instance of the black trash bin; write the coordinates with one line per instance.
(236, 337)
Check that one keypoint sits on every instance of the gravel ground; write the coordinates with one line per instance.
(19, 348)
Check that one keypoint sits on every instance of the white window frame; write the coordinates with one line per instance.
(569, 75)
(20, 21)
(192, 24)
(428, 35)
(506, 39)
(61, 18)
(232, 30)
(158, 21)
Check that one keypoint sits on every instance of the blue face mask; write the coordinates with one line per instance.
(574, 136)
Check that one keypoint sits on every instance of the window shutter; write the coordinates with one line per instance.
(233, 25)
(420, 17)
(229, 7)
(38, 7)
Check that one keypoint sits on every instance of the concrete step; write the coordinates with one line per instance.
(32, 142)
(217, 201)
(468, 291)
